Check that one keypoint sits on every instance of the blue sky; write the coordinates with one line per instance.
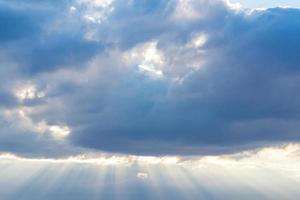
(267, 3)
(199, 93)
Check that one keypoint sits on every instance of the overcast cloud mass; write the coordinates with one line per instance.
(149, 99)
(178, 77)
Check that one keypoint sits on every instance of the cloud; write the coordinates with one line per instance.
(149, 77)
(43, 36)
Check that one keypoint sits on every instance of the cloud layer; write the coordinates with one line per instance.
(147, 77)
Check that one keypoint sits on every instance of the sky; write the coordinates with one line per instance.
(268, 3)
(140, 99)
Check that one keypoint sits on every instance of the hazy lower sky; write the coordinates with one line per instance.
(267, 3)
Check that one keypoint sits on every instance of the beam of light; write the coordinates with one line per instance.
(271, 173)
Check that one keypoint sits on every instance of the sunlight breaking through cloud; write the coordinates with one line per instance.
(271, 173)
(149, 99)
(273, 157)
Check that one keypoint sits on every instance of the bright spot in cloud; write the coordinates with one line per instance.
(102, 3)
(96, 3)
(59, 132)
(96, 11)
(185, 11)
(198, 40)
(142, 175)
(21, 118)
(56, 131)
(28, 92)
(156, 160)
(151, 70)
(151, 54)
(148, 58)
(92, 19)
(72, 8)
(233, 5)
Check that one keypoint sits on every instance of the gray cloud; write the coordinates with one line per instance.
(141, 77)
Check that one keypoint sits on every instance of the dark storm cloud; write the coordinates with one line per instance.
(39, 36)
(237, 90)
(246, 94)
(60, 51)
